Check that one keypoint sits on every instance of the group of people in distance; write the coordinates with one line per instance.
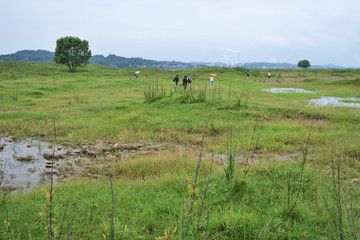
(187, 80)
(248, 74)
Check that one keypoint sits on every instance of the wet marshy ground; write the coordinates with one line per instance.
(27, 163)
(335, 102)
(322, 101)
(287, 90)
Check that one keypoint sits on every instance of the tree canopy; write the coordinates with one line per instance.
(303, 64)
(72, 52)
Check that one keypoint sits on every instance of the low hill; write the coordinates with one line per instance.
(110, 61)
(122, 62)
(137, 62)
(29, 56)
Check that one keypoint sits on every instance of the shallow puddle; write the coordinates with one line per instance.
(22, 163)
(287, 90)
(335, 102)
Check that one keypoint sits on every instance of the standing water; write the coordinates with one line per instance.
(335, 102)
(22, 163)
(287, 90)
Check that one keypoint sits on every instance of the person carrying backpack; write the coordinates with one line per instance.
(189, 80)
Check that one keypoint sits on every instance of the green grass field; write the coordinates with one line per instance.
(300, 182)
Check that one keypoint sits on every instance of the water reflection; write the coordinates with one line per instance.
(287, 90)
(22, 162)
(335, 101)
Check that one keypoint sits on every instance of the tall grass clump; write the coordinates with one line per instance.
(239, 100)
(187, 96)
(14, 96)
(201, 96)
(340, 200)
(153, 91)
(192, 94)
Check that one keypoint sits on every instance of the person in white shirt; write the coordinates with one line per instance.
(189, 81)
(211, 81)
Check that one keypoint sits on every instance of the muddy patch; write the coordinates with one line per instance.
(28, 163)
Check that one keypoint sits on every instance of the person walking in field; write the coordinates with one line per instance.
(176, 80)
(269, 74)
(189, 80)
(248, 74)
(185, 81)
(211, 81)
(137, 74)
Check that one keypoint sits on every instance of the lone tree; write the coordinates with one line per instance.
(303, 64)
(73, 52)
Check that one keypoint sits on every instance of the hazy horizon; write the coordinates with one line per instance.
(229, 31)
(231, 64)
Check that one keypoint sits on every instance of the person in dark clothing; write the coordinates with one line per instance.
(176, 80)
(185, 82)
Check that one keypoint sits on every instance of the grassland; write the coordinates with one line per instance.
(300, 181)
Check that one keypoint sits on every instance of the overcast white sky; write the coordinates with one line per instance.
(321, 31)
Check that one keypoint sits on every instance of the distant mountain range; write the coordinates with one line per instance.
(122, 62)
